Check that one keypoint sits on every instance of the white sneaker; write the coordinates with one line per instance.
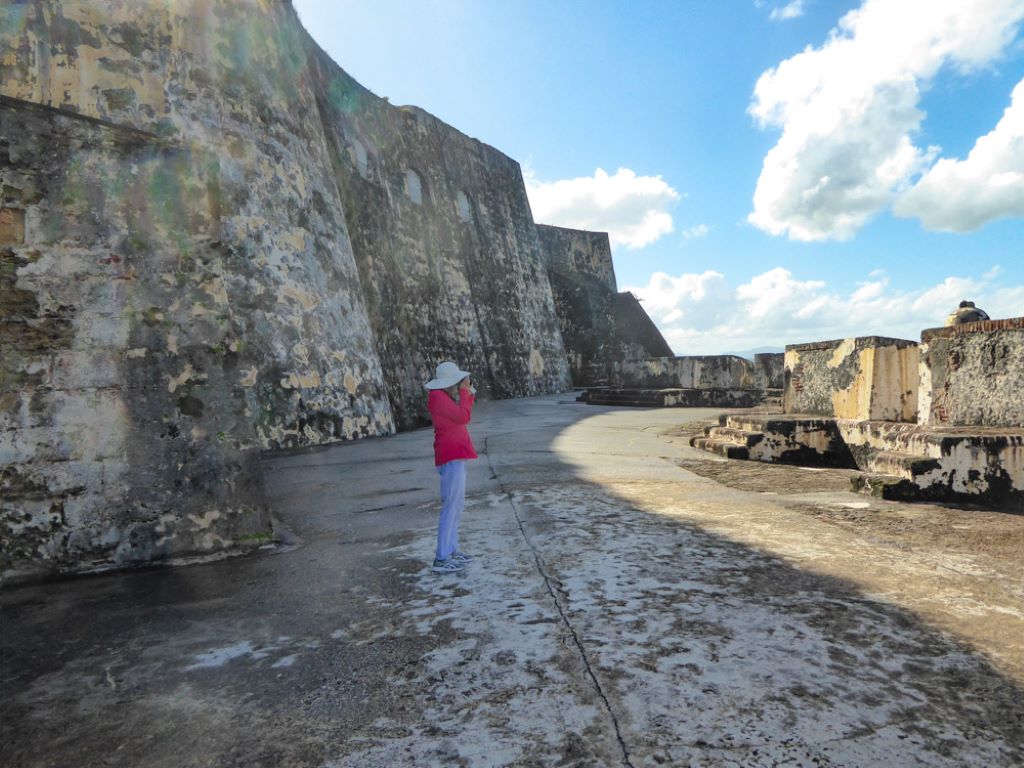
(461, 557)
(446, 566)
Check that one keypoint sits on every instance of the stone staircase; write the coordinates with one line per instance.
(773, 437)
(731, 442)
(773, 398)
(898, 461)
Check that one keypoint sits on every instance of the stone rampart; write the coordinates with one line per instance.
(634, 334)
(868, 377)
(973, 374)
(599, 326)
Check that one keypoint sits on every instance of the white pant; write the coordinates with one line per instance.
(453, 498)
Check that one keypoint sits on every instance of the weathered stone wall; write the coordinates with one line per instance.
(857, 378)
(177, 286)
(973, 374)
(448, 253)
(692, 372)
(771, 368)
(580, 252)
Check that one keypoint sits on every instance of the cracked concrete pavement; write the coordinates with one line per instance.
(633, 603)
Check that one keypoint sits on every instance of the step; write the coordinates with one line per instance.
(646, 402)
(752, 422)
(722, 447)
(881, 486)
(744, 437)
(905, 465)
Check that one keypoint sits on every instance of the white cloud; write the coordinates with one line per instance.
(698, 231)
(849, 110)
(775, 292)
(793, 10)
(633, 210)
(706, 314)
(963, 195)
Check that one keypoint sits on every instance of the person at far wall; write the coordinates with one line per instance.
(450, 402)
(966, 313)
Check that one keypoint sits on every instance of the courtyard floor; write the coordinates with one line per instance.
(634, 602)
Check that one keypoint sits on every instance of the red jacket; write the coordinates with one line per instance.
(451, 438)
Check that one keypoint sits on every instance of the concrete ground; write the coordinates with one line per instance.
(634, 603)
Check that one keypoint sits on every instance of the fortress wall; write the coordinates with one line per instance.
(972, 375)
(177, 286)
(448, 253)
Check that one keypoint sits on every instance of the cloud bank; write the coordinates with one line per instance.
(634, 210)
(706, 314)
(849, 112)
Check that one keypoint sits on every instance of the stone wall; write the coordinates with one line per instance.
(857, 378)
(448, 254)
(973, 374)
(692, 372)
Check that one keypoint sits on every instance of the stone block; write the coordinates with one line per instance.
(868, 377)
(12, 226)
(973, 374)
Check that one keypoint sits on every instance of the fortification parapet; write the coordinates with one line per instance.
(867, 377)
(689, 372)
(973, 374)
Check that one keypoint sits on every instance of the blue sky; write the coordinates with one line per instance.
(770, 171)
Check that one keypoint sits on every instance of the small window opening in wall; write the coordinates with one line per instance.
(413, 186)
(462, 206)
(362, 158)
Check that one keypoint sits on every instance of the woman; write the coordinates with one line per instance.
(451, 404)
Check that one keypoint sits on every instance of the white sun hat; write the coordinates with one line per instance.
(447, 375)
